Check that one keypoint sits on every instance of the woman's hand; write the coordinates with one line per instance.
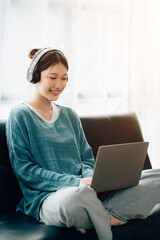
(86, 181)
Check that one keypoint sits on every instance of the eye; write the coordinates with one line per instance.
(64, 79)
(53, 78)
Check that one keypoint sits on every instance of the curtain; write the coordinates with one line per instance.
(145, 71)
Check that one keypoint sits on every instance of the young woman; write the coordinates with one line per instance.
(54, 163)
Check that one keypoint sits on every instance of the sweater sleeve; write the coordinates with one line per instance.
(26, 170)
(87, 157)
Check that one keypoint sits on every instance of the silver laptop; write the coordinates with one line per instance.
(119, 166)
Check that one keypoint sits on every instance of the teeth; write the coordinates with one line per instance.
(54, 91)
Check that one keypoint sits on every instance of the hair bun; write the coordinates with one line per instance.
(32, 52)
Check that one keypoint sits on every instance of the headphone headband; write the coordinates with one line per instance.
(34, 61)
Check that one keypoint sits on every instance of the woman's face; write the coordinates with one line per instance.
(52, 82)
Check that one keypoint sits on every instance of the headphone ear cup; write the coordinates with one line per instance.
(36, 77)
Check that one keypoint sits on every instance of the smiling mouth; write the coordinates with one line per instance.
(56, 92)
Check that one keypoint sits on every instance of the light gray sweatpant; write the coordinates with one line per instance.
(80, 207)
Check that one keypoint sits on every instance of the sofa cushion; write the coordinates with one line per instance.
(18, 226)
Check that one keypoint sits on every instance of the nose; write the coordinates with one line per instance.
(58, 84)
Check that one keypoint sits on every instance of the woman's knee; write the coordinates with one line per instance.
(75, 199)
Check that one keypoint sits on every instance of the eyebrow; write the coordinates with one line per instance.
(57, 74)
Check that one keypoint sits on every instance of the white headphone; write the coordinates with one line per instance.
(34, 61)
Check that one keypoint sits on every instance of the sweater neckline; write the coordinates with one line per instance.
(55, 114)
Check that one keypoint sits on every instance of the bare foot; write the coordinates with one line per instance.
(114, 221)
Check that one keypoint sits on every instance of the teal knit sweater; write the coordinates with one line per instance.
(45, 156)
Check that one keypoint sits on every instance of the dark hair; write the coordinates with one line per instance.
(50, 58)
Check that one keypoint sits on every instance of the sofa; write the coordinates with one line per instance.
(99, 130)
